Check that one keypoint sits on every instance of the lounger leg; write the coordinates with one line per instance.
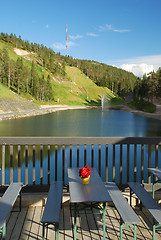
(43, 231)
(75, 219)
(57, 231)
(121, 228)
(134, 232)
(154, 231)
(4, 232)
(104, 218)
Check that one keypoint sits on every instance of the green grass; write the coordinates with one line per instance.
(89, 93)
(74, 89)
(5, 93)
(142, 105)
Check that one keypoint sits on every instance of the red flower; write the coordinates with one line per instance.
(89, 169)
(85, 172)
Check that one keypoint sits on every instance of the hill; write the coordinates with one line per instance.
(11, 102)
(71, 87)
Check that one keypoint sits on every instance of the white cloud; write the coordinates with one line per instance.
(109, 27)
(91, 35)
(71, 44)
(47, 26)
(139, 65)
(61, 46)
(75, 37)
(138, 69)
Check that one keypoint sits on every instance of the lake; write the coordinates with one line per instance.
(77, 123)
(83, 122)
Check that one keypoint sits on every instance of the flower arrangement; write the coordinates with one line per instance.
(85, 172)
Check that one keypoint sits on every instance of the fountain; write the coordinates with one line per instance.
(105, 101)
(103, 98)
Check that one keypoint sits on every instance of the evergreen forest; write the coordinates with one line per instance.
(34, 75)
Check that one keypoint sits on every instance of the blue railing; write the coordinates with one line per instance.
(40, 160)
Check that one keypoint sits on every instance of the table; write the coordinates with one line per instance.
(94, 192)
(156, 173)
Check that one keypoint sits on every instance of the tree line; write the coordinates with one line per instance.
(148, 87)
(16, 74)
(118, 80)
(46, 57)
(22, 78)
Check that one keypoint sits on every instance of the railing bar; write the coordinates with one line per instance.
(11, 163)
(19, 163)
(137, 157)
(3, 164)
(149, 159)
(92, 156)
(77, 155)
(114, 162)
(106, 177)
(135, 151)
(120, 163)
(26, 164)
(99, 159)
(78, 140)
(70, 155)
(63, 163)
(156, 155)
(56, 162)
(149, 155)
(142, 163)
(41, 164)
(33, 171)
(128, 150)
(85, 153)
(48, 164)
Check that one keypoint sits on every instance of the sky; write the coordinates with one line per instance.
(121, 33)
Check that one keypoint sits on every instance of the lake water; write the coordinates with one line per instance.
(77, 123)
(83, 122)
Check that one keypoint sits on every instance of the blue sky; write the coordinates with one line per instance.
(124, 33)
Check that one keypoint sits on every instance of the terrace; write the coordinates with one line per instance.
(116, 159)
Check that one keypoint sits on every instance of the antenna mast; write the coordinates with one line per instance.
(66, 39)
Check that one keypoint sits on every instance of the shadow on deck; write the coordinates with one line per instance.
(27, 223)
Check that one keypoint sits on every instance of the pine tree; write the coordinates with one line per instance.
(19, 74)
(49, 92)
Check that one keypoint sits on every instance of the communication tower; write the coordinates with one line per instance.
(66, 39)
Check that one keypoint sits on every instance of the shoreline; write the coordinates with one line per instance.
(46, 109)
(156, 115)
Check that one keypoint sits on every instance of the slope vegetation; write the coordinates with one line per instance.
(72, 88)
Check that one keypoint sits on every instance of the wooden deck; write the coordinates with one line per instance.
(26, 224)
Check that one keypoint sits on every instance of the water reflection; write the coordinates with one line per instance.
(86, 123)
(90, 122)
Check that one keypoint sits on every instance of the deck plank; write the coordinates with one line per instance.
(19, 224)
(34, 232)
(25, 234)
(92, 226)
(11, 223)
(67, 222)
(84, 226)
(26, 225)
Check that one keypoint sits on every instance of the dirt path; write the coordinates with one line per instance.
(45, 109)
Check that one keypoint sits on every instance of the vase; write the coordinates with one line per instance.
(85, 180)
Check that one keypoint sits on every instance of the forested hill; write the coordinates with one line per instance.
(118, 80)
(33, 73)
